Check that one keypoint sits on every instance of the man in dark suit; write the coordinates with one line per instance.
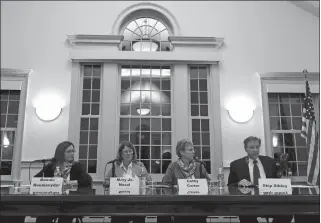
(246, 171)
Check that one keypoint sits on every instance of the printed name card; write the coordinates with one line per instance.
(276, 186)
(46, 186)
(192, 187)
(124, 186)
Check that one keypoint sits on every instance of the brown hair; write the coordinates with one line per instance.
(121, 146)
(251, 138)
(60, 151)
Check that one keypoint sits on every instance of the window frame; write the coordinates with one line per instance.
(146, 16)
(9, 79)
(210, 104)
(81, 81)
(153, 175)
(283, 79)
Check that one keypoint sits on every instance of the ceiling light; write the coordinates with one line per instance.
(143, 110)
(145, 45)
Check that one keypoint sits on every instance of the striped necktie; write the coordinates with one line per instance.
(256, 173)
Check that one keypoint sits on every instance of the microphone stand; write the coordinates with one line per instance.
(43, 167)
(113, 170)
(201, 164)
(29, 171)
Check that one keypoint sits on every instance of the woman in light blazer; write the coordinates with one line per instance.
(127, 165)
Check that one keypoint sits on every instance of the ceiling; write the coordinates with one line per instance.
(312, 7)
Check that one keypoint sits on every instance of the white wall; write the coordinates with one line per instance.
(259, 37)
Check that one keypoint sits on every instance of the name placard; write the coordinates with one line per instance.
(275, 186)
(46, 186)
(124, 186)
(192, 186)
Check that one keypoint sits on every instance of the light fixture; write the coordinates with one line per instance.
(241, 109)
(48, 107)
(145, 45)
(275, 141)
(6, 141)
(143, 110)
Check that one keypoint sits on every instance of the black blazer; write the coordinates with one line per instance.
(76, 173)
(239, 170)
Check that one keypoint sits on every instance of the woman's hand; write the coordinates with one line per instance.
(106, 183)
(70, 184)
(67, 185)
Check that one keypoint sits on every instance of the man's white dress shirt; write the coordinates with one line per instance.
(260, 166)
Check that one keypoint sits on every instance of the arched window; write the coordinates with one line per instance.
(146, 34)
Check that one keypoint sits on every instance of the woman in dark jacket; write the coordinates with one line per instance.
(73, 173)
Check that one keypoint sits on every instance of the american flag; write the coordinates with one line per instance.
(310, 134)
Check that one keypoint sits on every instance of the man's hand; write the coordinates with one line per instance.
(246, 190)
(244, 183)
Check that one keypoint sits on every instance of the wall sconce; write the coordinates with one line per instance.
(241, 109)
(48, 107)
(6, 141)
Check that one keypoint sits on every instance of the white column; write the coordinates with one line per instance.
(75, 106)
(16, 162)
(109, 118)
(215, 119)
(180, 121)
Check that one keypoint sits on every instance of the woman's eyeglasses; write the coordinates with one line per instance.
(70, 152)
(127, 151)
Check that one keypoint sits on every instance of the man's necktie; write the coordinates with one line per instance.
(256, 173)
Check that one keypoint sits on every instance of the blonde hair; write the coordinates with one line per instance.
(180, 146)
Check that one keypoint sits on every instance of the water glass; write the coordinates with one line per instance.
(17, 187)
(151, 184)
(142, 182)
(212, 184)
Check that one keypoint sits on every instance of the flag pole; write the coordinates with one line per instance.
(310, 134)
(306, 95)
(305, 72)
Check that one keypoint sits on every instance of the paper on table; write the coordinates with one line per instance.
(4, 185)
(11, 185)
(303, 186)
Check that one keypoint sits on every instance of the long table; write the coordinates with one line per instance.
(160, 202)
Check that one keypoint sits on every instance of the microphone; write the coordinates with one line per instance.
(199, 161)
(112, 161)
(45, 160)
